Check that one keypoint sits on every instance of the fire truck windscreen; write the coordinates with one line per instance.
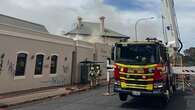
(137, 54)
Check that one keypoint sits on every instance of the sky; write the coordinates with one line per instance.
(61, 15)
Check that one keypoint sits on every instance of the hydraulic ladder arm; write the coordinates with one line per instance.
(170, 26)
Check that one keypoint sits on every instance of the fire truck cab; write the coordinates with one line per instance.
(142, 68)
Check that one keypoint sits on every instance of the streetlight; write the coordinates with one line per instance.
(139, 20)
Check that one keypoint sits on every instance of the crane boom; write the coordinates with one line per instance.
(170, 26)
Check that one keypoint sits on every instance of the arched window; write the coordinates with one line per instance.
(54, 62)
(21, 64)
(39, 64)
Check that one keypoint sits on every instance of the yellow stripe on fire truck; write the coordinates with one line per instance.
(136, 86)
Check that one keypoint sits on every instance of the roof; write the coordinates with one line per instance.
(89, 28)
(140, 42)
(7, 20)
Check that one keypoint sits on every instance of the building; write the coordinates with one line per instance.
(95, 32)
(32, 58)
(101, 37)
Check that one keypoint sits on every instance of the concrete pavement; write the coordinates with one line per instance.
(6, 101)
(13, 100)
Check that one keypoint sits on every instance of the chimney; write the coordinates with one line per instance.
(102, 19)
(79, 22)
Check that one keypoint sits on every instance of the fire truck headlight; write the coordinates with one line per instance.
(117, 82)
(158, 85)
(150, 70)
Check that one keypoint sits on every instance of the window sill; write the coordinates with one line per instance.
(37, 76)
(53, 75)
(19, 77)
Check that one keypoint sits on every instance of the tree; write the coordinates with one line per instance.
(189, 56)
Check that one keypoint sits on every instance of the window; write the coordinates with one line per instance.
(137, 54)
(39, 64)
(54, 61)
(21, 64)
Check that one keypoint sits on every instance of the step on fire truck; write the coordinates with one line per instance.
(144, 68)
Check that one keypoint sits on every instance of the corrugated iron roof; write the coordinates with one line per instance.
(89, 28)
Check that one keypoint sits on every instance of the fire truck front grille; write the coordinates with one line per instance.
(136, 81)
(139, 82)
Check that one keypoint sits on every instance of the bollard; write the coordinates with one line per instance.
(108, 93)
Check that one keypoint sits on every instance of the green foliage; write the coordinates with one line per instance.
(189, 57)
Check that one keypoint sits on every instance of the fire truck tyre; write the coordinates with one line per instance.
(165, 98)
(123, 97)
(174, 84)
(171, 89)
(174, 88)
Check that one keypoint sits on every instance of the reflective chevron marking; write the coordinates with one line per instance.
(184, 70)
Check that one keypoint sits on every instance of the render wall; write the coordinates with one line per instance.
(111, 41)
(102, 53)
(84, 51)
(13, 42)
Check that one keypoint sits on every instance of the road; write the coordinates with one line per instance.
(95, 100)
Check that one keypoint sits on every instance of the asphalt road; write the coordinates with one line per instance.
(95, 100)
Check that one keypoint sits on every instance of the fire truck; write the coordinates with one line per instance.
(144, 68)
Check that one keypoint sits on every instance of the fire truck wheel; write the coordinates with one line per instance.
(174, 84)
(165, 98)
(123, 97)
(174, 88)
(171, 91)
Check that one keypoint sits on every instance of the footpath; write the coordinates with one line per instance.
(13, 99)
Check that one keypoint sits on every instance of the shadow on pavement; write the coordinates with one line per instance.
(177, 102)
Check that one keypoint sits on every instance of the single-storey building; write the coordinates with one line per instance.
(32, 58)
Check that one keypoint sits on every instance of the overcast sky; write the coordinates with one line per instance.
(121, 15)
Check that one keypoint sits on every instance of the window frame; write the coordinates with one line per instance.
(54, 74)
(39, 75)
(15, 66)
